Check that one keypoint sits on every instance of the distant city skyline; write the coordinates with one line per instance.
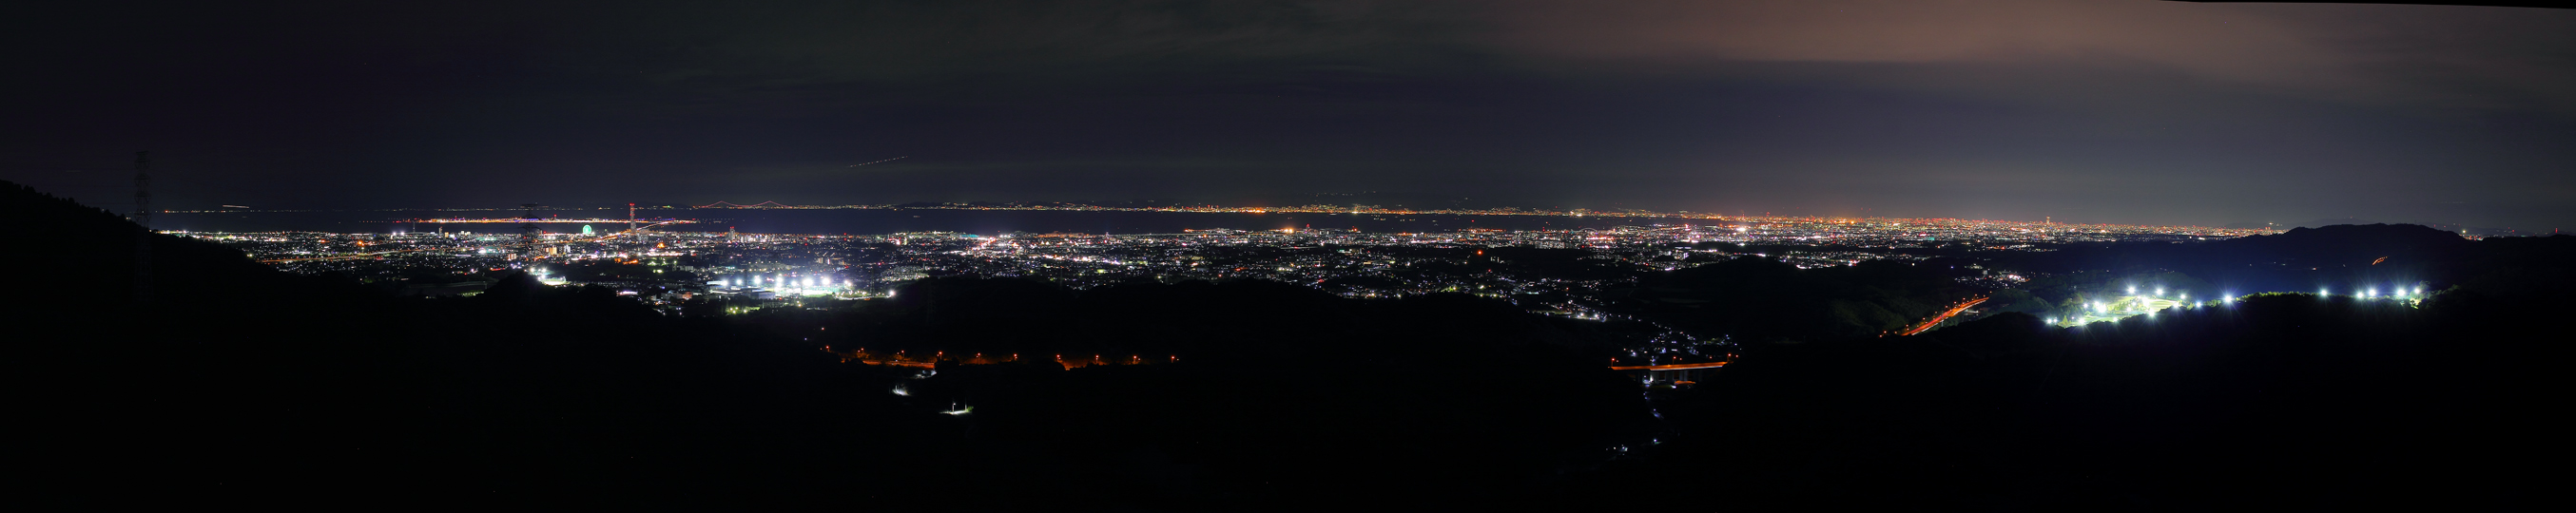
(1331, 208)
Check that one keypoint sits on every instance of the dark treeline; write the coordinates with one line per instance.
(1245, 322)
(1760, 299)
(2299, 260)
(2343, 260)
(2283, 400)
(1283, 395)
(234, 383)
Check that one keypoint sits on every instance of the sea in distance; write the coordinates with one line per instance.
(884, 221)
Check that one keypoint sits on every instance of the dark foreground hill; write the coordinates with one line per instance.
(2300, 260)
(234, 384)
(2279, 401)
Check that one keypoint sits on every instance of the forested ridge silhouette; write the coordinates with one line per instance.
(233, 383)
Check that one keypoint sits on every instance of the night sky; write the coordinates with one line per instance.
(2124, 111)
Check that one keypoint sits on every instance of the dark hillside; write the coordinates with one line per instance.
(1760, 299)
(237, 383)
(81, 258)
(1280, 390)
(2299, 260)
(234, 383)
(2283, 400)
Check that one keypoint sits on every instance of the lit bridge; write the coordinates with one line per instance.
(1945, 315)
(1677, 373)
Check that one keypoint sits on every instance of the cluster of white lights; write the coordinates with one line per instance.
(2373, 292)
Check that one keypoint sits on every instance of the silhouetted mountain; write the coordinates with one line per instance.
(1760, 299)
(2282, 400)
(2321, 223)
(240, 383)
(235, 383)
(1280, 389)
(84, 258)
(2305, 259)
(2345, 244)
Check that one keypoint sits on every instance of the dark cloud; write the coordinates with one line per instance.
(2490, 57)
(2132, 111)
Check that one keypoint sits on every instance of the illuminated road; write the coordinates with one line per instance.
(543, 220)
(1676, 366)
(1936, 320)
(931, 362)
(898, 360)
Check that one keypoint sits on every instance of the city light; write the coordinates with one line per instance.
(754, 272)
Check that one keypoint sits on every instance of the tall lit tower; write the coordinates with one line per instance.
(528, 230)
(631, 236)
